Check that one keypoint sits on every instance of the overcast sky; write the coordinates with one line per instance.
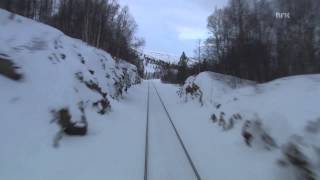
(172, 26)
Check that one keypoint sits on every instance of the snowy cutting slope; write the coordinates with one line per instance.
(57, 72)
(287, 109)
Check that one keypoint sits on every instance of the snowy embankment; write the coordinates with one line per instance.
(278, 122)
(46, 75)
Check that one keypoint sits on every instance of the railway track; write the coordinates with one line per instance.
(148, 156)
(147, 137)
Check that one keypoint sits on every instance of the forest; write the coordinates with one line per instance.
(250, 40)
(260, 40)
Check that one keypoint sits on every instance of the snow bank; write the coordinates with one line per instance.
(57, 72)
(283, 110)
(213, 85)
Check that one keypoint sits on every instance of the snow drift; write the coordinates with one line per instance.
(281, 116)
(42, 72)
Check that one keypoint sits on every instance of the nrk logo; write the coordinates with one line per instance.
(282, 15)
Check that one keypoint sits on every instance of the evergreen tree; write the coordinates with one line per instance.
(182, 68)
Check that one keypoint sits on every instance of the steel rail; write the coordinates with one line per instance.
(146, 155)
(178, 136)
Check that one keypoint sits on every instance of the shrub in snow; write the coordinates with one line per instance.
(180, 92)
(229, 125)
(313, 126)
(91, 84)
(63, 56)
(79, 76)
(82, 60)
(126, 79)
(95, 87)
(69, 127)
(9, 70)
(64, 120)
(302, 152)
(91, 72)
(222, 122)
(214, 118)
(254, 133)
(296, 157)
(102, 106)
(54, 59)
(57, 138)
(107, 76)
(124, 82)
(237, 116)
(118, 86)
(226, 124)
(247, 135)
(192, 90)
